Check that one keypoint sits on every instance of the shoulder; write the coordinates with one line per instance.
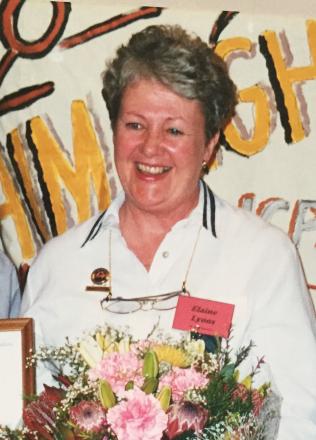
(239, 226)
(70, 241)
(53, 259)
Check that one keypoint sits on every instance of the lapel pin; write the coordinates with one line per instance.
(99, 277)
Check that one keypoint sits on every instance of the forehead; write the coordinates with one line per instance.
(152, 96)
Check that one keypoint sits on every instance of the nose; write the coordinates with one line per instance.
(151, 142)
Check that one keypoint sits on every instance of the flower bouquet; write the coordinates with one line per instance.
(112, 387)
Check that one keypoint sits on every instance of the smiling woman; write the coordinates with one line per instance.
(160, 145)
(167, 103)
(166, 234)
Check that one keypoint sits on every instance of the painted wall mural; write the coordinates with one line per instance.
(56, 158)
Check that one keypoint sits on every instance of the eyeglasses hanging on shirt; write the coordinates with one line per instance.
(120, 305)
(102, 282)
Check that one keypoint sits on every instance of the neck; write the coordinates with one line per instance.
(143, 230)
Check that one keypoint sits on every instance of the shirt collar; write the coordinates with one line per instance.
(204, 212)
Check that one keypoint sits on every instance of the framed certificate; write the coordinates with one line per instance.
(16, 381)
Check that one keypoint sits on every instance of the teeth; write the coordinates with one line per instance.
(151, 169)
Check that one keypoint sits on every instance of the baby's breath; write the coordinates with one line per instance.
(17, 434)
(227, 419)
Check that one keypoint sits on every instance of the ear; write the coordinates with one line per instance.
(210, 148)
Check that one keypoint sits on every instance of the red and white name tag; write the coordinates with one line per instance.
(203, 316)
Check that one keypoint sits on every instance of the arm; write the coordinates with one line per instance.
(283, 328)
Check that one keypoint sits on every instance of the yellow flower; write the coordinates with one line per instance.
(172, 355)
(247, 381)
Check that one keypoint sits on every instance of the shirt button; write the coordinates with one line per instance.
(165, 254)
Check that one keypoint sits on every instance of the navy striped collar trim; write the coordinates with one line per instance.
(209, 208)
(95, 229)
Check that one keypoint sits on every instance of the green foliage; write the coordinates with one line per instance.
(220, 395)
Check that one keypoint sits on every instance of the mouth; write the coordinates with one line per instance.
(150, 169)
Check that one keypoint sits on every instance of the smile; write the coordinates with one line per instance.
(152, 169)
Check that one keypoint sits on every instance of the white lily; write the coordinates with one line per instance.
(124, 345)
(196, 347)
(90, 351)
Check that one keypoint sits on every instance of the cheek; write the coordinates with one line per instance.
(189, 156)
(119, 159)
(122, 148)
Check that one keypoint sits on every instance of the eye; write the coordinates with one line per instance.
(175, 131)
(133, 125)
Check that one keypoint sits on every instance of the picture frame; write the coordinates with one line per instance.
(17, 380)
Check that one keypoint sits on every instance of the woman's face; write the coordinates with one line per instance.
(159, 145)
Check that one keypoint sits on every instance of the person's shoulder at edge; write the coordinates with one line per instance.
(5, 262)
(9, 279)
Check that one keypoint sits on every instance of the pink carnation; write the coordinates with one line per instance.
(138, 417)
(118, 369)
(181, 380)
(88, 415)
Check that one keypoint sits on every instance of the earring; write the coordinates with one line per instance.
(205, 168)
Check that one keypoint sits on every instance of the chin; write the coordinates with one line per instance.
(153, 205)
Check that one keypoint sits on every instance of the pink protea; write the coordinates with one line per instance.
(185, 416)
(139, 416)
(88, 416)
(181, 380)
(118, 369)
(39, 415)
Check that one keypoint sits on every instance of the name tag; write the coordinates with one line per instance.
(203, 316)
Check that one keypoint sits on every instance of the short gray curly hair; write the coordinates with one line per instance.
(182, 62)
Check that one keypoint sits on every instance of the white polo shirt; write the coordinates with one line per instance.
(238, 259)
